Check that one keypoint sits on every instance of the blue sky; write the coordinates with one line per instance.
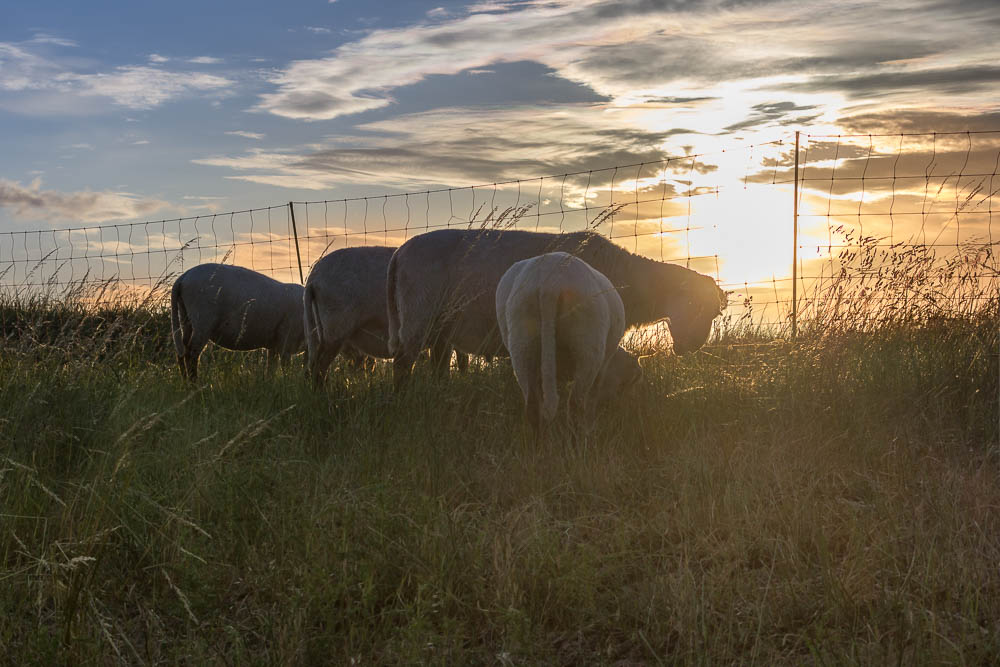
(116, 111)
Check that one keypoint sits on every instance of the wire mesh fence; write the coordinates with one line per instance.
(871, 208)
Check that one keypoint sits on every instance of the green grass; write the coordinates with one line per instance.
(835, 501)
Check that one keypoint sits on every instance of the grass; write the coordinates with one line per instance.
(834, 500)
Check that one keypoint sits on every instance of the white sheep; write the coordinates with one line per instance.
(560, 319)
(235, 308)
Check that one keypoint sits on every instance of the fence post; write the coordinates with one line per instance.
(795, 242)
(295, 235)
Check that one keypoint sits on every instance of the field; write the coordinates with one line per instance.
(832, 500)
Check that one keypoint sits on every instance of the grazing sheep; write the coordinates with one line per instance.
(344, 307)
(442, 284)
(560, 319)
(236, 308)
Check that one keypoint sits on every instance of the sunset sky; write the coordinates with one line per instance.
(131, 111)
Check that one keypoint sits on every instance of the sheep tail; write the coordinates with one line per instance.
(548, 306)
(313, 323)
(393, 308)
(179, 321)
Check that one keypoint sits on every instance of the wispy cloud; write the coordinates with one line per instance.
(426, 148)
(319, 30)
(953, 80)
(784, 113)
(248, 135)
(45, 38)
(138, 87)
(157, 58)
(41, 84)
(205, 60)
(32, 201)
(141, 142)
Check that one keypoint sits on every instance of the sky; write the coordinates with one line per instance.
(114, 111)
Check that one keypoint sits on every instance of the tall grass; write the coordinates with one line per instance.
(830, 500)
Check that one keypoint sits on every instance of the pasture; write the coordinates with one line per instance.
(832, 500)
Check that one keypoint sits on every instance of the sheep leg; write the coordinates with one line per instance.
(441, 356)
(402, 367)
(190, 364)
(320, 365)
(579, 399)
(192, 351)
(526, 363)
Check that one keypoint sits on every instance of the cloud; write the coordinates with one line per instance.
(248, 135)
(210, 203)
(139, 87)
(949, 80)
(141, 142)
(457, 147)
(45, 38)
(318, 30)
(775, 112)
(899, 165)
(637, 50)
(157, 58)
(205, 60)
(359, 75)
(20, 67)
(39, 84)
(671, 101)
(32, 201)
(918, 120)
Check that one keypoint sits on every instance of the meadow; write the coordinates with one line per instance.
(832, 499)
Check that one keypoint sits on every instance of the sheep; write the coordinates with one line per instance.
(441, 287)
(235, 308)
(344, 309)
(560, 319)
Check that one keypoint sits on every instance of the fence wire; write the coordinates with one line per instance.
(870, 206)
